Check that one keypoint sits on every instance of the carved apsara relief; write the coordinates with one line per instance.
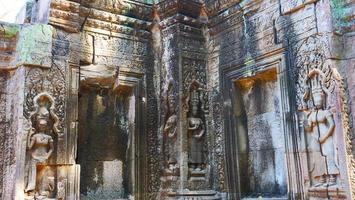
(170, 136)
(320, 101)
(45, 110)
(52, 81)
(196, 106)
(196, 128)
(320, 125)
(40, 144)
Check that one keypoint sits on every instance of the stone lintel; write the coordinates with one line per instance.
(288, 7)
(127, 79)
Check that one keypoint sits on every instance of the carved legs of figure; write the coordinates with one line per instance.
(32, 173)
(46, 188)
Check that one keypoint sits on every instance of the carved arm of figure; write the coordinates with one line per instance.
(172, 134)
(32, 142)
(307, 123)
(194, 127)
(202, 131)
(51, 148)
(331, 128)
(167, 129)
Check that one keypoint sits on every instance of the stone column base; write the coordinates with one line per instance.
(327, 193)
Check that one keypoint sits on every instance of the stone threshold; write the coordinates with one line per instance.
(264, 198)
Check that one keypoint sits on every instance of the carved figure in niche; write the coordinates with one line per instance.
(320, 125)
(170, 132)
(40, 142)
(196, 131)
(47, 187)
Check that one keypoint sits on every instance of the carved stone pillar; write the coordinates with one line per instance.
(185, 134)
(36, 103)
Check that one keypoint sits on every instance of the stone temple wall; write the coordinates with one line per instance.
(254, 33)
(178, 99)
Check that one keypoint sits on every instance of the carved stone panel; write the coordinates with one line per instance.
(196, 106)
(170, 108)
(53, 82)
(320, 101)
(170, 137)
(196, 130)
(60, 182)
(41, 141)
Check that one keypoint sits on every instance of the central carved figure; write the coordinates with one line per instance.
(196, 130)
(170, 131)
(320, 125)
(40, 141)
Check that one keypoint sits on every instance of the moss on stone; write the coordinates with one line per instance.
(35, 45)
(9, 30)
(341, 14)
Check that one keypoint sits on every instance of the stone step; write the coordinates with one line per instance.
(194, 195)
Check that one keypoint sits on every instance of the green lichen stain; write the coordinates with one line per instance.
(9, 30)
(341, 15)
(36, 40)
(249, 61)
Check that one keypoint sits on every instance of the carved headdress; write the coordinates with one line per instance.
(312, 72)
(196, 94)
(315, 84)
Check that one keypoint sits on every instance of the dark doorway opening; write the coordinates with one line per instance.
(103, 144)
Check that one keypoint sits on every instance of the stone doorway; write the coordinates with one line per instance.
(108, 137)
(257, 133)
(103, 137)
(260, 136)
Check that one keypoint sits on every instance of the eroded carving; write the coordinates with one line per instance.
(196, 128)
(61, 185)
(46, 182)
(320, 125)
(40, 143)
(219, 144)
(170, 133)
(320, 100)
